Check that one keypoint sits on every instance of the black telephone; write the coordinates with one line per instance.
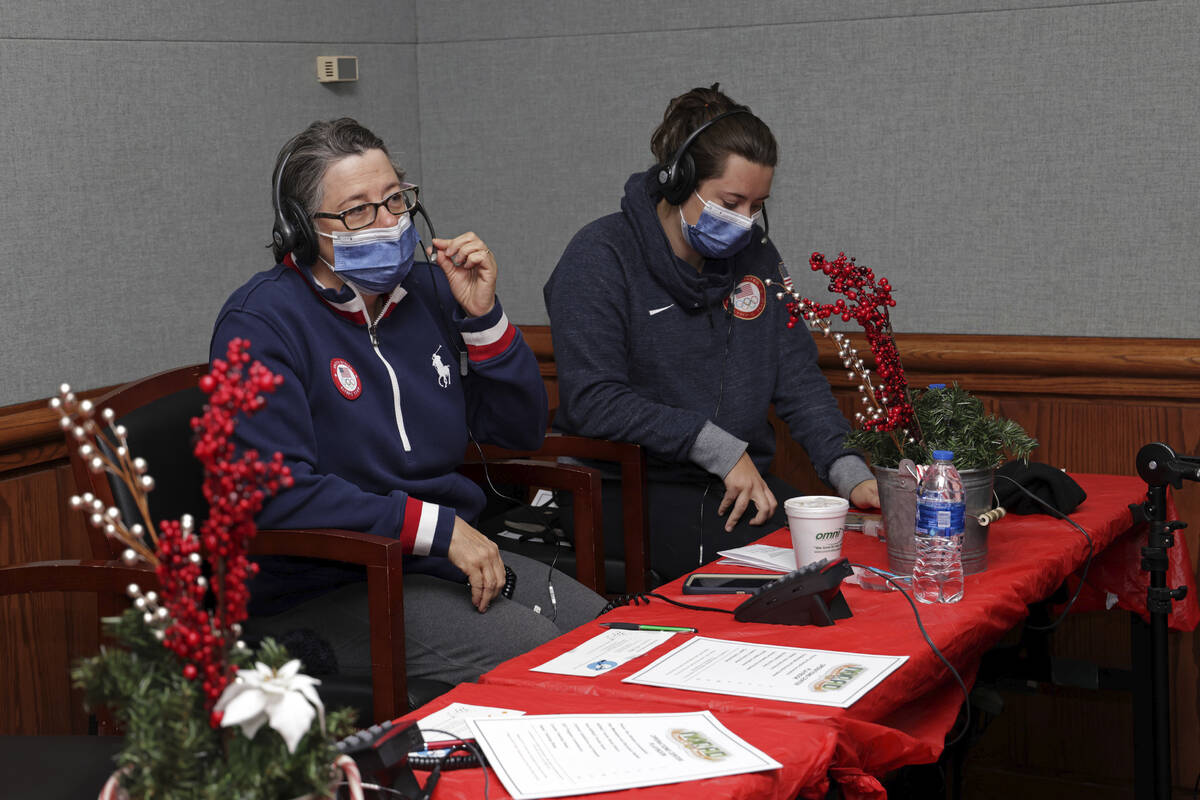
(382, 752)
(809, 596)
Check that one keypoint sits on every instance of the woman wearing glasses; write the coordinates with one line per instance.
(389, 365)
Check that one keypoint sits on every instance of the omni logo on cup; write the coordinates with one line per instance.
(838, 678)
(698, 745)
(816, 523)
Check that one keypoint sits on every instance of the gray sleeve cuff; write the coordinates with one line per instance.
(847, 472)
(716, 450)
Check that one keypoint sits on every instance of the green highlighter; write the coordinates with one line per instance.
(633, 626)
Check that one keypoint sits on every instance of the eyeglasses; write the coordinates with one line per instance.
(362, 215)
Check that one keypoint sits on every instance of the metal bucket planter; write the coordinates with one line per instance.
(898, 501)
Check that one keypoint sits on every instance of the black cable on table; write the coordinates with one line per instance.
(643, 598)
(1086, 564)
(962, 685)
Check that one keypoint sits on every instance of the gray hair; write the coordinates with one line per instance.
(312, 151)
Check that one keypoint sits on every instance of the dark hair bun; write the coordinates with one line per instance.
(742, 134)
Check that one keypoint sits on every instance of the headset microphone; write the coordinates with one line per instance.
(432, 233)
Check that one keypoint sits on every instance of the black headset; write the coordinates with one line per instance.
(293, 231)
(677, 178)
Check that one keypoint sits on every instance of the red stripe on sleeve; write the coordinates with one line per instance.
(484, 352)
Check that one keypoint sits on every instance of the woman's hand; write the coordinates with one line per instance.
(865, 494)
(479, 558)
(743, 484)
(471, 270)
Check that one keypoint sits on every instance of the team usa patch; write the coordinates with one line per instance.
(345, 378)
(749, 298)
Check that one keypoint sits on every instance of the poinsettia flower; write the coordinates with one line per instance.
(284, 698)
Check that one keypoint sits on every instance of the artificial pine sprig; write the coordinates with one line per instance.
(171, 751)
(951, 419)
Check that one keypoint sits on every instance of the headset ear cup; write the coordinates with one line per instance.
(664, 177)
(282, 237)
(685, 179)
(302, 243)
(679, 183)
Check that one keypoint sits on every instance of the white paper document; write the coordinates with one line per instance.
(604, 652)
(558, 755)
(790, 674)
(453, 718)
(761, 556)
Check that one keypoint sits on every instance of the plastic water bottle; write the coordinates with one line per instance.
(938, 572)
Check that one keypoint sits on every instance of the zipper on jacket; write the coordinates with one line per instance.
(392, 376)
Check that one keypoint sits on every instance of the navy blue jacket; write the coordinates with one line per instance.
(686, 363)
(373, 417)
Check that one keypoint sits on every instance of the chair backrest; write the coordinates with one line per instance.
(156, 413)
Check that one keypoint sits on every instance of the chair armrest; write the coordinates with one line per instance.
(631, 458)
(584, 485)
(384, 561)
(567, 444)
(350, 547)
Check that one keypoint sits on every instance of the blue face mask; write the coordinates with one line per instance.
(375, 260)
(719, 232)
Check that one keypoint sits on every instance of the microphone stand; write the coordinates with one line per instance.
(1159, 466)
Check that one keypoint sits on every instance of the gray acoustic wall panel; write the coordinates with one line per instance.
(460, 20)
(1013, 166)
(348, 21)
(137, 189)
(1026, 170)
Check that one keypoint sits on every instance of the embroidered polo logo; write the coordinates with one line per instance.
(749, 298)
(443, 371)
(345, 378)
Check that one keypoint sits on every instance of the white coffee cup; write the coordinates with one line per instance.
(817, 523)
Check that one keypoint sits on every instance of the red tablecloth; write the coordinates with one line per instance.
(906, 718)
(806, 749)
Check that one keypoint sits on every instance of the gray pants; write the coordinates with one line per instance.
(445, 637)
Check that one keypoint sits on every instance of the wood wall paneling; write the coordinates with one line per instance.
(1092, 403)
(42, 634)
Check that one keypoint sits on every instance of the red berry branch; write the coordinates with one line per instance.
(887, 407)
(234, 486)
(202, 574)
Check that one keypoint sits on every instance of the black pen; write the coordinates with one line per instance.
(633, 626)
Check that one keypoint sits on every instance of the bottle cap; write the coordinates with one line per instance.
(943, 455)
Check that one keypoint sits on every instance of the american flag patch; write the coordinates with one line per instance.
(749, 298)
